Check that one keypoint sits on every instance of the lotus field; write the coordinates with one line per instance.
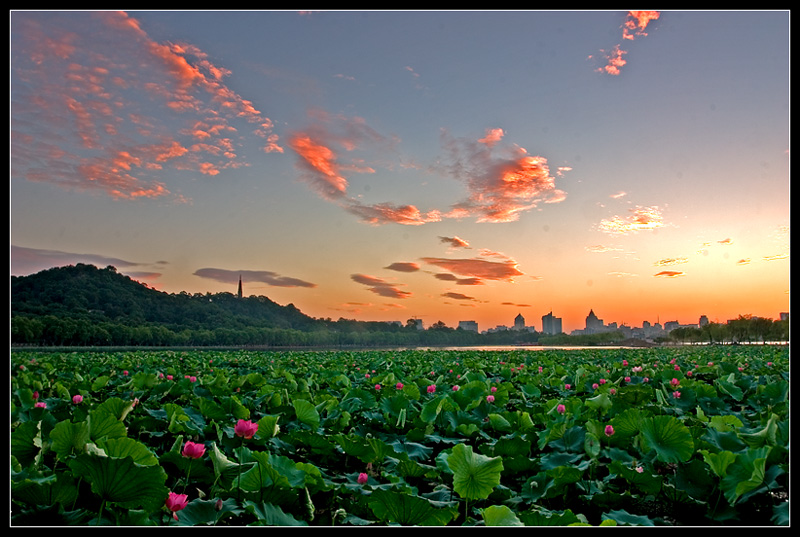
(629, 437)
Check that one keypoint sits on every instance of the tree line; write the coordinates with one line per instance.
(86, 306)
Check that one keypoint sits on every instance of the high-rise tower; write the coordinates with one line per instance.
(240, 286)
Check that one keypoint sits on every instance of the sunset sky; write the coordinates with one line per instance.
(444, 166)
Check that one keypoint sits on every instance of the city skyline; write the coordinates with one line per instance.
(440, 165)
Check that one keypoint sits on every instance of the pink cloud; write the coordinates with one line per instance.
(614, 61)
(455, 242)
(501, 186)
(403, 267)
(636, 22)
(103, 89)
(633, 26)
(478, 268)
(492, 137)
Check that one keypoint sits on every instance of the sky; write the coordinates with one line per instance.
(389, 165)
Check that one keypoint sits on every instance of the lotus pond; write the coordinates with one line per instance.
(636, 437)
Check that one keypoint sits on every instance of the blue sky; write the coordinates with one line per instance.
(387, 165)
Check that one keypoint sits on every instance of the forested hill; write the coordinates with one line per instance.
(65, 299)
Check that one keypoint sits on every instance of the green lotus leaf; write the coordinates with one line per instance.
(306, 413)
(408, 510)
(122, 481)
(670, 438)
(500, 515)
(271, 515)
(474, 475)
(68, 437)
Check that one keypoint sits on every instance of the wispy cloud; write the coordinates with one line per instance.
(249, 276)
(633, 26)
(668, 261)
(77, 119)
(640, 219)
(380, 287)
(25, 261)
(447, 277)
(669, 273)
(601, 248)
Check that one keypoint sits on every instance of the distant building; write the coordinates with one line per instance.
(593, 323)
(240, 286)
(703, 320)
(468, 325)
(519, 322)
(551, 325)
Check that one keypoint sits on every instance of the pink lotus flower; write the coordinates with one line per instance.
(175, 502)
(595, 386)
(432, 388)
(77, 399)
(192, 379)
(541, 369)
(689, 373)
(625, 362)
(125, 373)
(399, 386)
(377, 386)
(363, 478)
(193, 450)
(455, 388)
(627, 379)
(40, 405)
(169, 377)
(366, 375)
(612, 391)
(609, 430)
(602, 381)
(674, 382)
(245, 429)
(676, 394)
(494, 389)
(567, 386)
(490, 398)
(561, 409)
(35, 396)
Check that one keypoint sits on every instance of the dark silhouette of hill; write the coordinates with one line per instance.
(103, 297)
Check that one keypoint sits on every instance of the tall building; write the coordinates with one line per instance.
(593, 324)
(240, 286)
(519, 322)
(551, 325)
